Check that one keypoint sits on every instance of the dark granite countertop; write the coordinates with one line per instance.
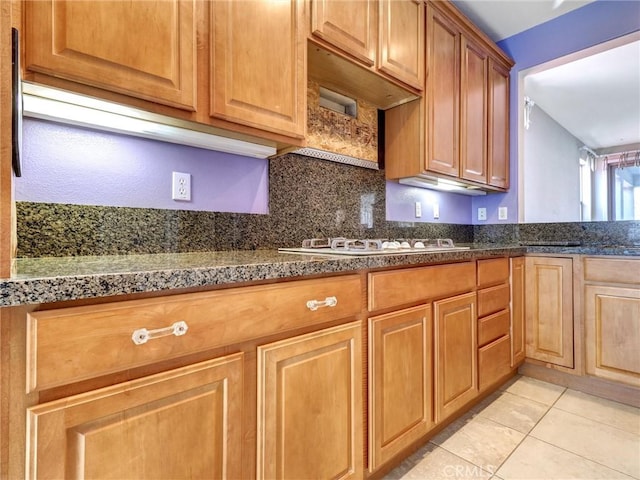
(53, 279)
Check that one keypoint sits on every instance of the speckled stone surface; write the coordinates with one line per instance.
(594, 234)
(53, 279)
(308, 198)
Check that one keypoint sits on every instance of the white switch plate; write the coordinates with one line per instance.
(482, 213)
(502, 213)
(418, 209)
(181, 186)
(436, 210)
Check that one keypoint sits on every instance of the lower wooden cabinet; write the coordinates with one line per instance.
(549, 310)
(612, 333)
(455, 353)
(184, 423)
(310, 406)
(517, 275)
(400, 381)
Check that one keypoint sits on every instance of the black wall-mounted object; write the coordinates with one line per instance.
(16, 123)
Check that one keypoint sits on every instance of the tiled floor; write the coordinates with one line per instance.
(533, 430)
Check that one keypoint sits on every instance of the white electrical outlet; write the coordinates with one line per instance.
(482, 213)
(181, 186)
(436, 211)
(418, 209)
(502, 213)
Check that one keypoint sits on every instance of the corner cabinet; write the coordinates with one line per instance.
(517, 303)
(460, 128)
(549, 310)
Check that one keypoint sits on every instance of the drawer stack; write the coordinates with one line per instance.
(494, 321)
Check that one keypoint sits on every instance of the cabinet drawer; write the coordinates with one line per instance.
(76, 343)
(612, 270)
(411, 285)
(492, 271)
(494, 299)
(494, 361)
(493, 326)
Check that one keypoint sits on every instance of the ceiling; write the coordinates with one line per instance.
(595, 96)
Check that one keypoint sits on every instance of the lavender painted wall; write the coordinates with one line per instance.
(585, 27)
(63, 164)
(401, 200)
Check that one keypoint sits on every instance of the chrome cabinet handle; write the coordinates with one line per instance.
(143, 335)
(313, 305)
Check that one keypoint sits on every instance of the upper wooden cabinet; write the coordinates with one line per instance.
(257, 68)
(459, 129)
(349, 26)
(143, 49)
(383, 36)
(239, 66)
(401, 40)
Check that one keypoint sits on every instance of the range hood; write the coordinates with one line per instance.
(73, 109)
(442, 184)
(340, 128)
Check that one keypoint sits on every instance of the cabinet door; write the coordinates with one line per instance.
(401, 382)
(401, 41)
(257, 70)
(549, 310)
(455, 358)
(498, 146)
(310, 405)
(142, 49)
(350, 26)
(517, 310)
(612, 333)
(442, 94)
(473, 113)
(185, 423)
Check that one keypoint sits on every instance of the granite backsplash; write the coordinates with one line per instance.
(308, 198)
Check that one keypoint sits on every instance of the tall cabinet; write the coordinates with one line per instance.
(459, 130)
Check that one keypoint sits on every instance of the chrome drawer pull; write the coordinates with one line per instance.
(313, 305)
(143, 335)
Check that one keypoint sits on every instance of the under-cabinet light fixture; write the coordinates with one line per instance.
(442, 184)
(73, 109)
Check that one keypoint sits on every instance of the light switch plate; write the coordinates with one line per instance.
(502, 213)
(436, 211)
(418, 210)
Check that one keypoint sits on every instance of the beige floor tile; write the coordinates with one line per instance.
(615, 414)
(542, 392)
(514, 411)
(433, 462)
(480, 441)
(615, 448)
(535, 459)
